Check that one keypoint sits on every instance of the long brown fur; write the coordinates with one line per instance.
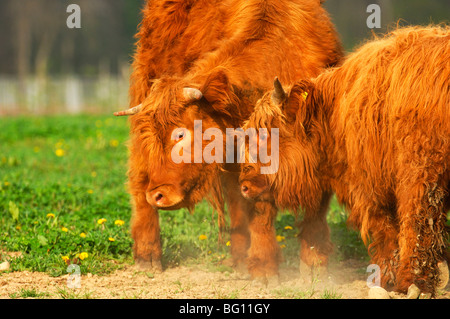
(237, 47)
(376, 131)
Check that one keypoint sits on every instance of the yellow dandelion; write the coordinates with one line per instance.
(83, 235)
(119, 222)
(36, 149)
(64, 229)
(83, 255)
(114, 143)
(60, 152)
(90, 191)
(6, 183)
(50, 215)
(94, 174)
(202, 237)
(228, 243)
(65, 258)
(280, 238)
(101, 221)
(282, 246)
(111, 239)
(288, 227)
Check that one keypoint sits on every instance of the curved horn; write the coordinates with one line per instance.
(278, 95)
(131, 111)
(191, 94)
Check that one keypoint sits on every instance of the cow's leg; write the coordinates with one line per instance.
(239, 209)
(423, 234)
(145, 232)
(315, 243)
(383, 249)
(264, 254)
(376, 219)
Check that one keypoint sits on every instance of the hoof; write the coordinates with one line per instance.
(305, 273)
(320, 274)
(266, 282)
(378, 293)
(152, 266)
(444, 274)
(238, 266)
(241, 268)
(312, 274)
(413, 292)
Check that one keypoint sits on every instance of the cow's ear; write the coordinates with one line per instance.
(218, 91)
(281, 99)
(300, 103)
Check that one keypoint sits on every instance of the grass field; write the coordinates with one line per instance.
(63, 199)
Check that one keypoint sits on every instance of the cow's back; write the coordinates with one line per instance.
(292, 39)
(391, 104)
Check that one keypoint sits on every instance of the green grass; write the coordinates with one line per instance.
(47, 201)
(60, 175)
(29, 293)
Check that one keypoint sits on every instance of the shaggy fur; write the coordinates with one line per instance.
(234, 59)
(376, 132)
(172, 36)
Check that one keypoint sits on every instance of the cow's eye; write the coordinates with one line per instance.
(246, 169)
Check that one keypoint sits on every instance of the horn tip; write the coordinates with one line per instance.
(197, 94)
(192, 94)
(131, 111)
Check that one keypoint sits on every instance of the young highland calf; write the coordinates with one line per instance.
(375, 131)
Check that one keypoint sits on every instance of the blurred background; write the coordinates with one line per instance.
(47, 68)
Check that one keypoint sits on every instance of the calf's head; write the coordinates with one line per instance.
(287, 114)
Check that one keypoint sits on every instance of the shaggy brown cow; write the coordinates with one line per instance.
(172, 36)
(375, 131)
(294, 39)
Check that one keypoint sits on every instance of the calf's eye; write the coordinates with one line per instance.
(178, 134)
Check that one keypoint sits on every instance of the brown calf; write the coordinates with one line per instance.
(376, 132)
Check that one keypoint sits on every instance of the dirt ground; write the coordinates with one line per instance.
(347, 281)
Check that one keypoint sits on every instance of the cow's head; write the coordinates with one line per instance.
(176, 139)
(285, 111)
